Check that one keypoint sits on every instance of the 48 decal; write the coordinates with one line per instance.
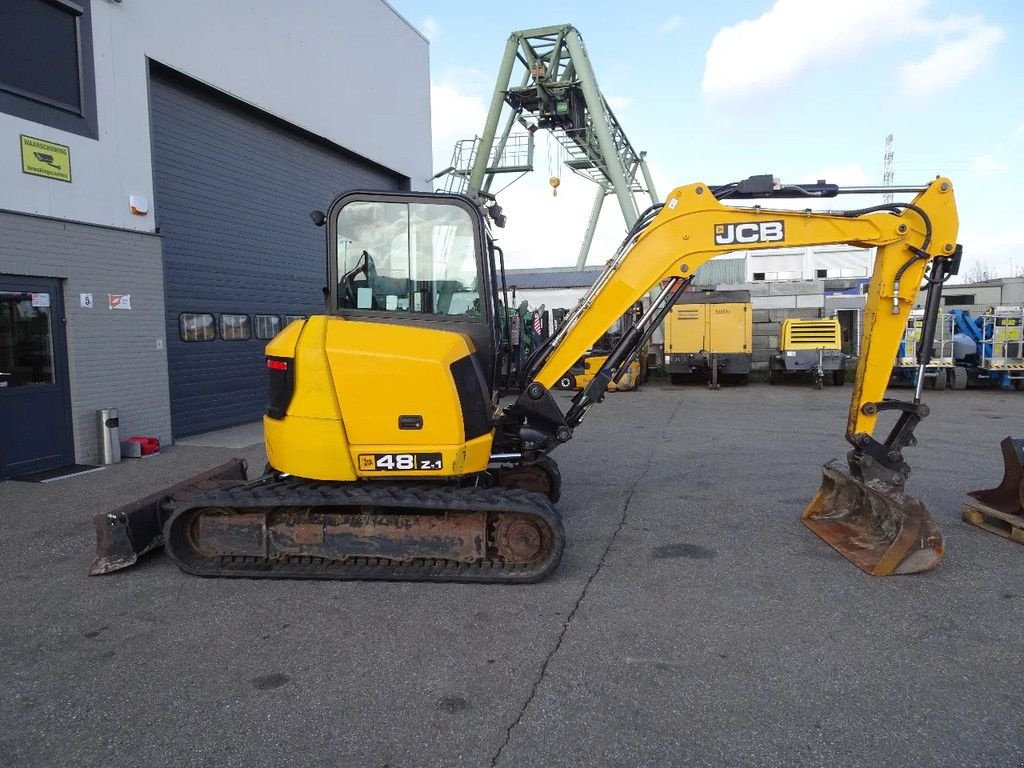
(399, 462)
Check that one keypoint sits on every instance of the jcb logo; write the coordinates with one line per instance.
(750, 232)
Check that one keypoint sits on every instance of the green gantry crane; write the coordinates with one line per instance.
(557, 92)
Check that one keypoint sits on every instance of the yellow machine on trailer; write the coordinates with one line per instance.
(809, 346)
(391, 457)
(630, 375)
(581, 374)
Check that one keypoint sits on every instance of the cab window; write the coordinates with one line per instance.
(407, 257)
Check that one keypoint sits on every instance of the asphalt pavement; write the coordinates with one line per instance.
(693, 621)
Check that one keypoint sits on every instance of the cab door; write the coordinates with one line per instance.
(35, 419)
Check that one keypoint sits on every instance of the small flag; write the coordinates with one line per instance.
(538, 323)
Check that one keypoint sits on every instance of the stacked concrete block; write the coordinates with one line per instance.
(813, 301)
(774, 302)
(755, 289)
(840, 301)
(796, 288)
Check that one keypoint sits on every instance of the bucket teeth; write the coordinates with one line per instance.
(1008, 496)
(872, 524)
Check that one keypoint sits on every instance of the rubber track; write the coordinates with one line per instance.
(294, 492)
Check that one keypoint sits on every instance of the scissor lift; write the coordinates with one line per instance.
(1002, 346)
(940, 370)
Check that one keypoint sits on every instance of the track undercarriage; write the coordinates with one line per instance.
(287, 527)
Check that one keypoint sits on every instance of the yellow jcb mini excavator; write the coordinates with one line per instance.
(390, 457)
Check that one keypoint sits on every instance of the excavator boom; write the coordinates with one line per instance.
(862, 512)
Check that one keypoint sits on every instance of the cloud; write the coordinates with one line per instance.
(430, 28)
(671, 23)
(988, 164)
(619, 102)
(795, 36)
(454, 116)
(999, 250)
(951, 62)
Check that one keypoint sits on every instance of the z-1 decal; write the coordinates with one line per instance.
(399, 462)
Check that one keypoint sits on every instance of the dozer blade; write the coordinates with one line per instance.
(875, 526)
(127, 533)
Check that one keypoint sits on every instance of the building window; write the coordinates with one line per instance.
(235, 328)
(267, 326)
(46, 64)
(959, 299)
(821, 273)
(194, 326)
(759, 275)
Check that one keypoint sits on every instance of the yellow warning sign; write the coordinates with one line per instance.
(44, 158)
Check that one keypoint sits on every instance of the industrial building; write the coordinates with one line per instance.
(816, 263)
(158, 162)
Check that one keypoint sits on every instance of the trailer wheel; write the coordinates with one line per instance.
(959, 377)
(839, 377)
(774, 374)
(939, 382)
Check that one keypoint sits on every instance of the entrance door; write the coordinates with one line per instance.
(35, 419)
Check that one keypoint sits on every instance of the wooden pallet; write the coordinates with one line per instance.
(1000, 523)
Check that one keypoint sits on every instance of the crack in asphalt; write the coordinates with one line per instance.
(583, 593)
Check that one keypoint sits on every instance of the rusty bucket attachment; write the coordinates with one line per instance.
(1008, 497)
(1001, 509)
(873, 524)
(127, 533)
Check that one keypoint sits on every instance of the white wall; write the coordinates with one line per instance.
(802, 263)
(353, 72)
(1013, 291)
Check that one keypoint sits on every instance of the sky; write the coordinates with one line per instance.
(716, 92)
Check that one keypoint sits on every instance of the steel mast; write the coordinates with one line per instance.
(546, 82)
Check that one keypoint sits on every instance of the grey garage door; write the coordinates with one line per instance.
(233, 192)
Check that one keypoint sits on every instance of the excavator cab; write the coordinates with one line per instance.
(424, 261)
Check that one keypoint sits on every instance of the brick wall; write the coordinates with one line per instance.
(116, 358)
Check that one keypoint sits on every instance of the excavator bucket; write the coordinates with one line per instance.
(875, 526)
(1001, 509)
(127, 533)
